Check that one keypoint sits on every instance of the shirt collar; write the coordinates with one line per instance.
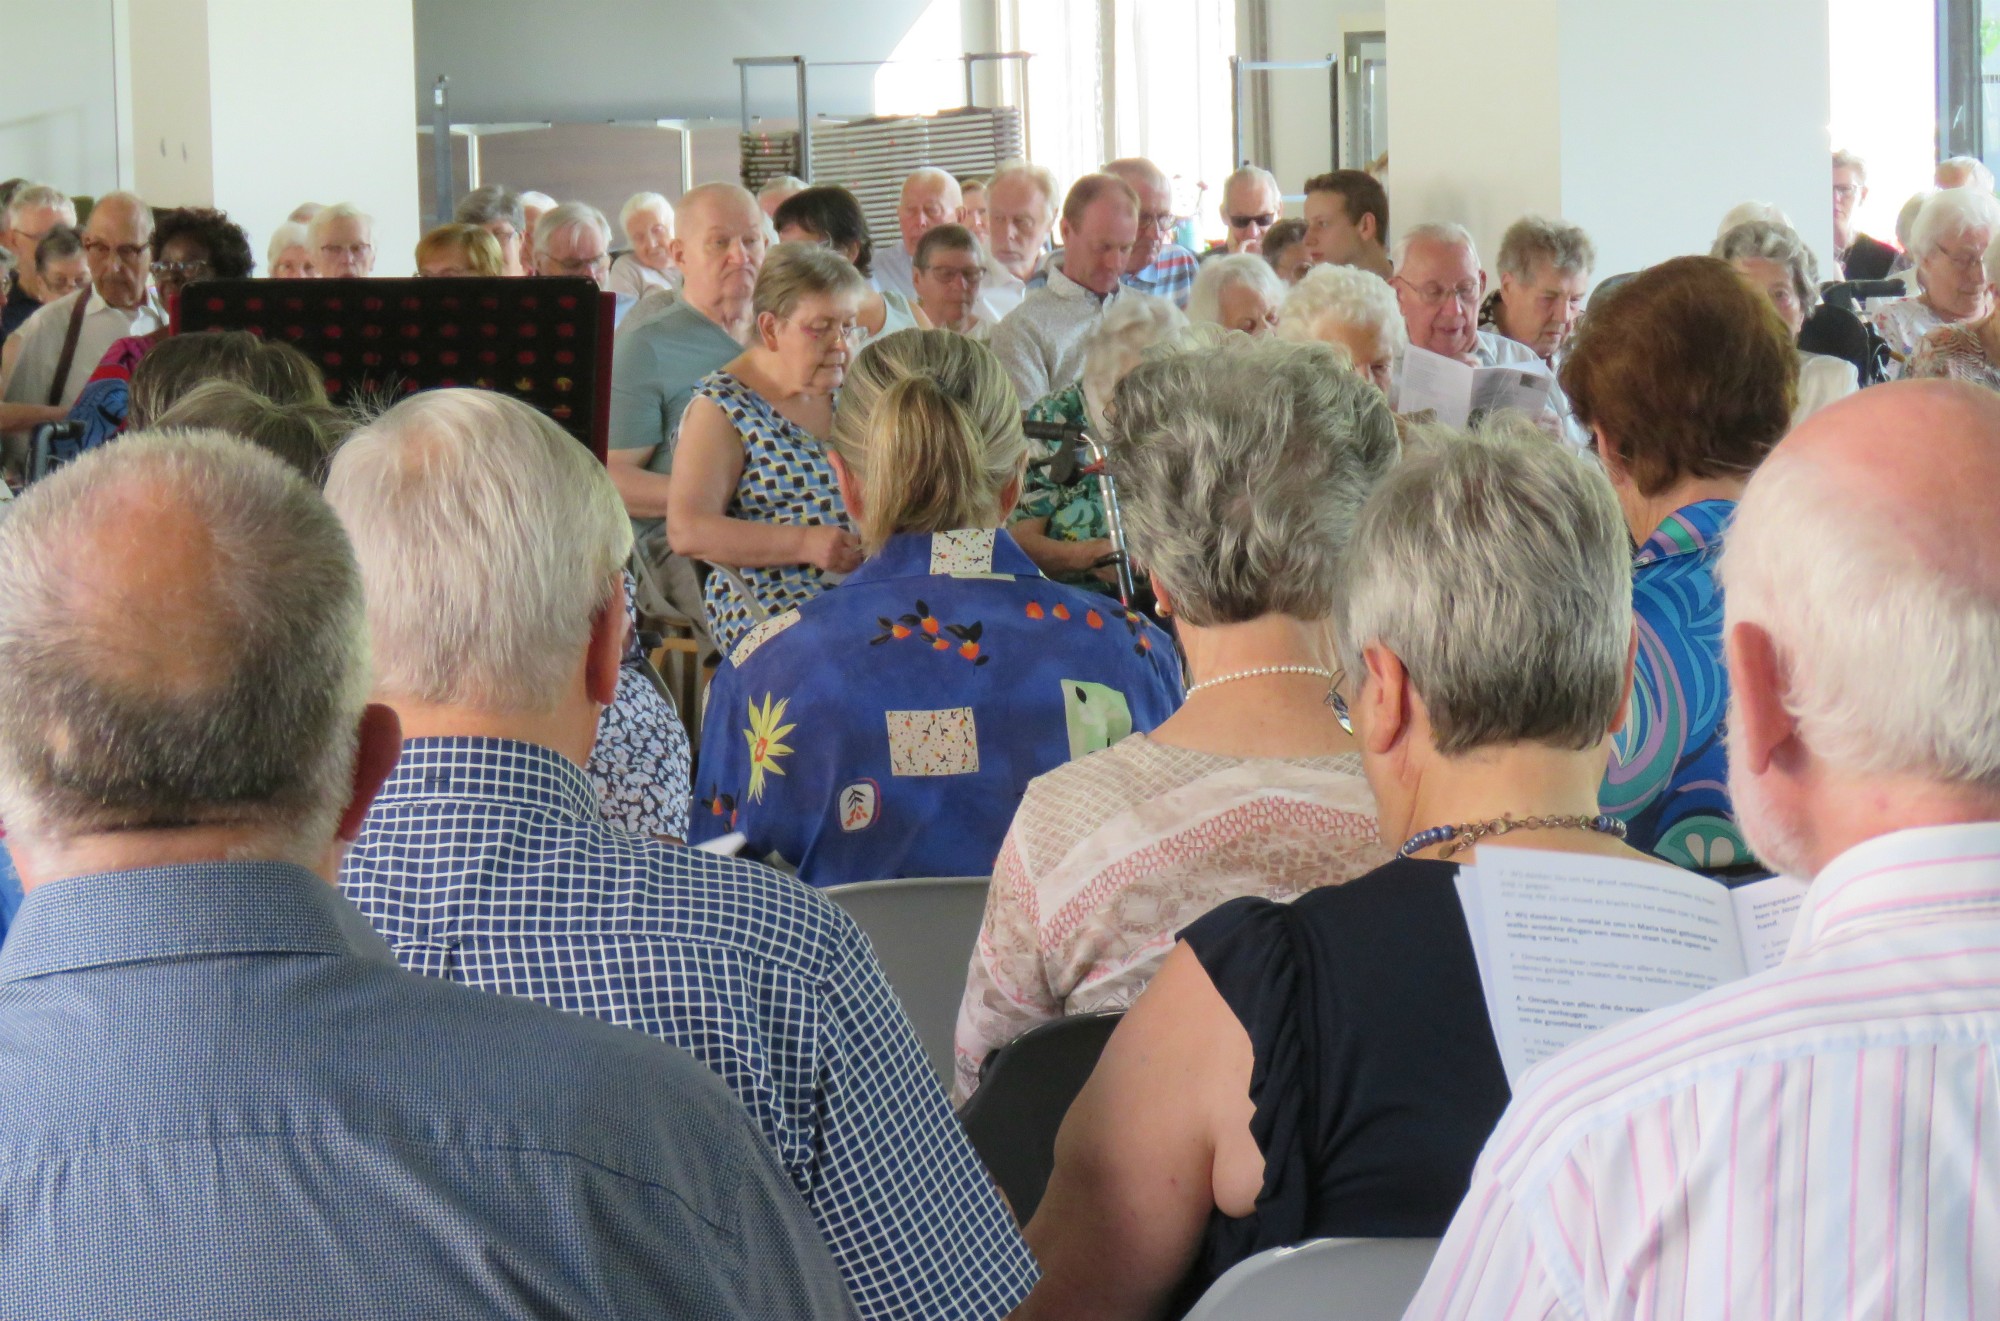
(194, 910)
(491, 770)
(1690, 530)
(1903, 878)
(148, 316)
(1063, 287)
(964, 552)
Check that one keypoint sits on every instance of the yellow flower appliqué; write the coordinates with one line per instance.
(764, 736)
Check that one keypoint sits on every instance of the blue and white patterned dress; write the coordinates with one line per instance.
(786, 480)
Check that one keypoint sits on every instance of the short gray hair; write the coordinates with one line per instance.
(316, 228)
(653, 202)
(1497, 569)
(1433, 231)
(784, 183)
(30, 196)
(567, 216)
(1040, 176)
(1534, 238)
(1256, 174)
(1948, 214)
(235, 703)
(1346, 294)
(1847, 160)
(489, 204)
(1219, 274)
(1759, 240)
(1241, 471)
(1134, 323)
(291, 234)
(488, 538)
(1847, 612)
(1745, 212)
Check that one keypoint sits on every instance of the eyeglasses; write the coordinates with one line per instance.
(1845, 190)
(1968, 260)
(1264, 221)
(578, 265)
(127, 252)
(335, 251)
(1337, 703)
(962, 274)
(1433, 295)
(852, 334)
(180, 270)
(1161, 221)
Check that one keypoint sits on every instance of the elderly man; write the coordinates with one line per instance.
(658, 361)
(775, 192)
(342, 242)
(972, 206)
(58, 347)
(496, 208)
(533, 207)
(1040, 343)
(223, 1097)
(491, 546)
(1020, 212)
(1156, 266)
(1347, 221)
(949, 269)
(574, 239)
(1858, 256)
(1806, 1142)
(648, 261)
(930, 198)
(1251, 204)
(33, 210)
(1544, 275)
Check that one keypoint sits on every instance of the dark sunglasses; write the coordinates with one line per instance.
(1264, 221)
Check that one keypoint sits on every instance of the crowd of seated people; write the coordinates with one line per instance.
(1024, 543)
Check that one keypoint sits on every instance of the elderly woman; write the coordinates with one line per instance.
(458, 250)
(1967, 351)
(499, 210)
(289, 256)
(1544, 276)
(1687, 377)
(1353, 310)
(648, 222)
(1238, 291)
(1061, 525)
(752, 488)
(1241, 472)
(1948, 244)
(1326, 1068)
(1777, 263)
(889, 728)
(830, 215)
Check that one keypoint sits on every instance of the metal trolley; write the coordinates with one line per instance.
(1079, 453)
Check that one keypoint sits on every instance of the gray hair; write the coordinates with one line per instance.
(1844, 614)
(291, 234)
(1040, 176)
(1745, 212)
(1134, 323)
(1256, 174)
(1847, 160)
(490, 204)
(784, 183)
(931, 174)
(1532, 238)
(1433, 231)
(1982, 175)
(540, 201)
(1906, 216)
(652, 202)
(568, 216)
(1759, 240)
(1949, 214)
(1497, 569)
(1346, 294)
(234, 702)
(316, 228)
(488, 538)
(31, 196)
(1219, 274)
(1241, 471)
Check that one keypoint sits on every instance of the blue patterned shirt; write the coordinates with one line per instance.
(1669, 774)
(224, 1100)
(930, 687)
(485, 861)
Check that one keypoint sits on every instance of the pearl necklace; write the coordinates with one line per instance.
(1262, 669)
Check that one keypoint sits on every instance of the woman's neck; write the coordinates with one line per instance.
(1519, 780)
(1263, 715)
(1645, 513)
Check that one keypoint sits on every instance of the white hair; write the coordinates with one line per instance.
(1890, 661)
(488, 538)
(1040, 176)
(539, 201)
(1907, 216)
(316, 230)
(1256, 174)
(235, 703)
(1134, 323)
(1745, 212)
(1219, 274)
(931, 174)
(1847, 160)
(30, 196)
(1947, 215)
(291, 234)
(1433, 231)
(570, 215)
(784, 183)
(1348, 295)
(1982, 176)
(652, 202)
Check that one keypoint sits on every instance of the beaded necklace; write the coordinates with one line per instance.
(1462, 837)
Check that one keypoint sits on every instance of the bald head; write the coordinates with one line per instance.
(719, 246)
(208, 671)
(930, 198)
(115, 239)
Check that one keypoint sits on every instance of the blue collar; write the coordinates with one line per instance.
(189, 911)
(964, 553)
(1690, 530)
(492, 770)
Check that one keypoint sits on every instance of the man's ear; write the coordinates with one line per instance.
(1367, 228)
(375, 754)
(1758, 683)
(1386, 696)
(609, 629)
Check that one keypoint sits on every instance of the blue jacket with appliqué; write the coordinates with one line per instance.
(889, 727)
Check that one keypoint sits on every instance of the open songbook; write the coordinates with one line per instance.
(1459, 395)
(1569, 943)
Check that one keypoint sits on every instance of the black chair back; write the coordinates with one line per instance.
(1025, 1089)
(1838, 333)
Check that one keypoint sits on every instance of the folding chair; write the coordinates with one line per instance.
(923, 930)
(1327, 1279)
(1025, 1089)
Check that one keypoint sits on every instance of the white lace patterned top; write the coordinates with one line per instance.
(1111, 855)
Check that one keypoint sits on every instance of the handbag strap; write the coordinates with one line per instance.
(68, 359)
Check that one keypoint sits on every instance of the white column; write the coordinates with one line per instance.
(1641, 120)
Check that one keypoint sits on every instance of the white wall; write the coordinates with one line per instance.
(1301, 124)
(58, 94)
(172, 153)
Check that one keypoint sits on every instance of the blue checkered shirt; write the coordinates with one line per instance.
(224, 1100)
(484, 860)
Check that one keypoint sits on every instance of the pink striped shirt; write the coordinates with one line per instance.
(1819, 1141)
